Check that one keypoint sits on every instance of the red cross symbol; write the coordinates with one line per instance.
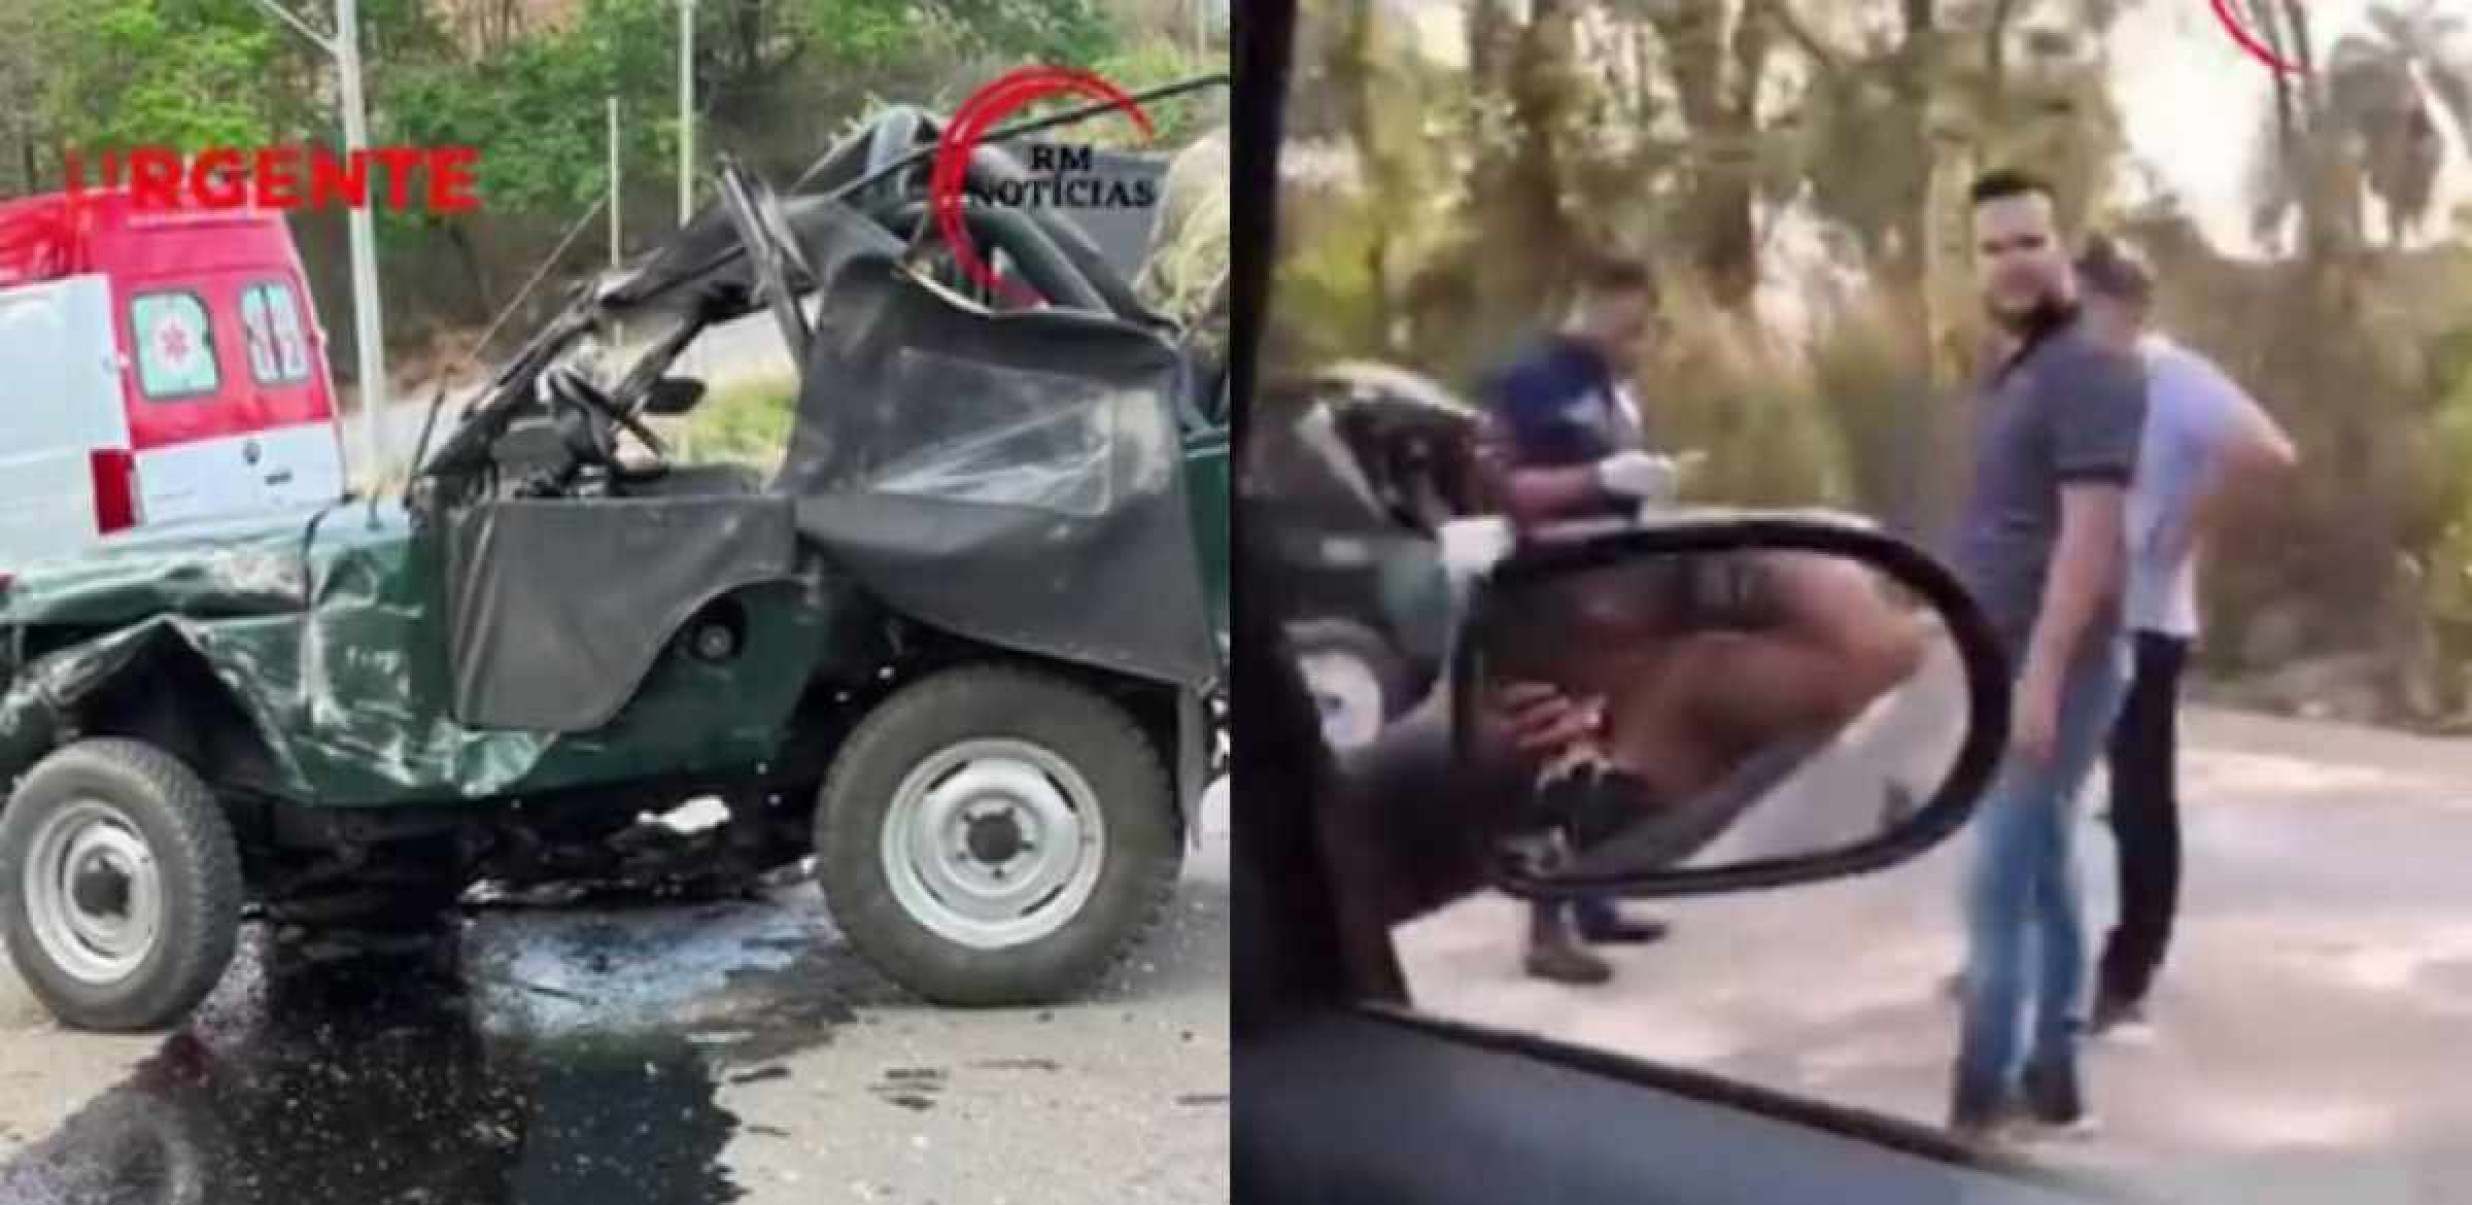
(175, 341)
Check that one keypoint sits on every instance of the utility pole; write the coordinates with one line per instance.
(614, 227)
(686, 111)
(368, 325)
(368, 337)
(691, 358)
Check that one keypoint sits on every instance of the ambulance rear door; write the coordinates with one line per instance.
(64, 435)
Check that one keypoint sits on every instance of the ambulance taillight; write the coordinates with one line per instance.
(115, 490)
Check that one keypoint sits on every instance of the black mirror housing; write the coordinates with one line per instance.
(1599, 632)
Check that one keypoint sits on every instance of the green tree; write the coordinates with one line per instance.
(2339, 359)
(25, 79)
(1718, 56)
(535, 111)
(185, 74)
(2381, 93)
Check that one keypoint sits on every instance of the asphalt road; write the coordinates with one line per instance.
(643, 1055)
(2308, 1034)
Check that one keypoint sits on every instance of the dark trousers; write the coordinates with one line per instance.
(2145, 818)
(1590, 913)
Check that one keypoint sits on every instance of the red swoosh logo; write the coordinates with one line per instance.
(987, 107)
(2249, 41)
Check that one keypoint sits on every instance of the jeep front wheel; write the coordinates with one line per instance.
(119, 886)
(994, 837)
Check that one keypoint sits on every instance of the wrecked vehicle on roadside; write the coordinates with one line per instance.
(1358, 467)
(958, 647)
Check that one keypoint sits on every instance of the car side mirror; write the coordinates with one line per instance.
(670, 397)
(1719, 704)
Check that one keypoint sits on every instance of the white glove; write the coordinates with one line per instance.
(1639, 475)
(1471, 547)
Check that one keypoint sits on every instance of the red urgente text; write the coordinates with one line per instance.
(289, 177)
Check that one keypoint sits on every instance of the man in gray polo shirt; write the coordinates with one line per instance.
(2040, 545)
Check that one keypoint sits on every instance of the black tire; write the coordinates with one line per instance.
(1326, 640)
(1143, 846)
(198, 869)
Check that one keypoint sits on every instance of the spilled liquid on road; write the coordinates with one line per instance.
(566, 1061)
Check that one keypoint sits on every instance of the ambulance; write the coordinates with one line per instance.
(156, 367)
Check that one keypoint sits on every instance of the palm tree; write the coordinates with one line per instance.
(2370, 128)
(2419, 54)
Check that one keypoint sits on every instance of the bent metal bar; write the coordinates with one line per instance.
(287, 177)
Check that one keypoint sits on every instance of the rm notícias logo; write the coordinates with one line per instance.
(286, 178)
(950, 188)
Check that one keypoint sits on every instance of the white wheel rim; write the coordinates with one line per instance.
(94, 892)
(1348, 694)
(994, 843)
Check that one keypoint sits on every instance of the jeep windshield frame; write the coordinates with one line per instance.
(704, 273)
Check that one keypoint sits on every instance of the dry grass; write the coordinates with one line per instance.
(746, 421)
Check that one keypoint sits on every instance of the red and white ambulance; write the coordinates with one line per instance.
(155, 367)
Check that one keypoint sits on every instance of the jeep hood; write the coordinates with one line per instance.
(209, 569)
(334, 671)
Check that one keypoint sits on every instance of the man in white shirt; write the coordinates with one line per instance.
(2204, 438)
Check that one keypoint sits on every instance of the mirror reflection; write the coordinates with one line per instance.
(1705, 710)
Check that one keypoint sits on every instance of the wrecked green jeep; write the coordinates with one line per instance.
(958, 647)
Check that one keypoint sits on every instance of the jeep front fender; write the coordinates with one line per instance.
(52, 699)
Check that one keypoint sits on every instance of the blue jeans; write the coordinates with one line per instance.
(1594, 913)
(2025, 932)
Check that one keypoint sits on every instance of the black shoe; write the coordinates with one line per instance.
(1983, 1125)
(2054, 1097)
(1569, 964)
(2114, 1013)
(1619, 931)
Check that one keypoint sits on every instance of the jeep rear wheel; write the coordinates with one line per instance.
(992, 837)
(119, 886)
(1357, 682)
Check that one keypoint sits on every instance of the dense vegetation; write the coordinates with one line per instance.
(525, 81)
(1441, 193)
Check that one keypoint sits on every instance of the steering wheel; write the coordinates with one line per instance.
(601, 415)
